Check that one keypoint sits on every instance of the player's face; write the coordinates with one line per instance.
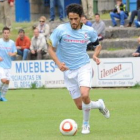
(74, 21)
(6, 34)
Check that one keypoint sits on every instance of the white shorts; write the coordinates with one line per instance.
(74, 79)
(5, 73)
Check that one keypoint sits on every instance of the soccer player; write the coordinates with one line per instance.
(70, 41)
(7, 49)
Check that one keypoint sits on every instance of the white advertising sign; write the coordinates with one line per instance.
(43, 73)
(117, 72)
(113, 72)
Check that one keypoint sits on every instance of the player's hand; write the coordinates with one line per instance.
(62, 67)
(96, 59)
(1, 59)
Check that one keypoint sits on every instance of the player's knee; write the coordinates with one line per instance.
(79, 107)
(85, 97)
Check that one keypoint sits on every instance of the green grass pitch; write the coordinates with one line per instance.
(36, 115)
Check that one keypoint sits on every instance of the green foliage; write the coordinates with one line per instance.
(137, 85)
(35, 86)
(36, 114)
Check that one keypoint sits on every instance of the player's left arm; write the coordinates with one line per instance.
(96, 54)
(97, 46)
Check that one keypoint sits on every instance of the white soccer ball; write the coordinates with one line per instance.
(68, 127)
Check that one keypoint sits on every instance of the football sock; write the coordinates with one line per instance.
(95, 105)
(4, 90)
(1, 84)
(86, 112)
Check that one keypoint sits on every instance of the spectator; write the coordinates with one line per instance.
(60, 4)
(38, 45)
(23, 44)
(43, 28)
(137, 53)
(5, 8)
(88, 8)
(120, 13)
(134, 14)
(85, 21)
(99, 26)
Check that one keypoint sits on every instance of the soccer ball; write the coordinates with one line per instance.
(68, 127)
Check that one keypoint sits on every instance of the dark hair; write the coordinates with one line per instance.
(74, 8)
(84, 16)
(5, 28)
(119, 0)
(97, 14)
(21, 31)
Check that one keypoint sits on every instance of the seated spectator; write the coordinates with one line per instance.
(43, 28)
(99, 26)
(38, 45)
(23, 44)
(133, 15)
(137, 53)
(85, 21)
(120, 13)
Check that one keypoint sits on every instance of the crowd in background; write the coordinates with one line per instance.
(36, 47)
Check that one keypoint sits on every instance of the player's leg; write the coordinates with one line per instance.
(4, 89)
(2, 75)
(84, 80)
(86, 107)
(5, 79)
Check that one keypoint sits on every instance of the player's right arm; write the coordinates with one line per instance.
(52, 53)
(52, 44)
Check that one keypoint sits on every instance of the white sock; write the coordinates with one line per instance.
(86, 112)
(95, 105)
(4, 90)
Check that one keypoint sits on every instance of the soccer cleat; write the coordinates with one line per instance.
(85, 129)
(3, 99)
(104, 110)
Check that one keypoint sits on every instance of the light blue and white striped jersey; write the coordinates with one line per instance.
(5, 48)
(72, 44)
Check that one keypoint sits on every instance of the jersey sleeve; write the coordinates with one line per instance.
(55, 37)
(14, 48)
(93, 35)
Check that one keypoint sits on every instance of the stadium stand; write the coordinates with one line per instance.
(118, 42)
